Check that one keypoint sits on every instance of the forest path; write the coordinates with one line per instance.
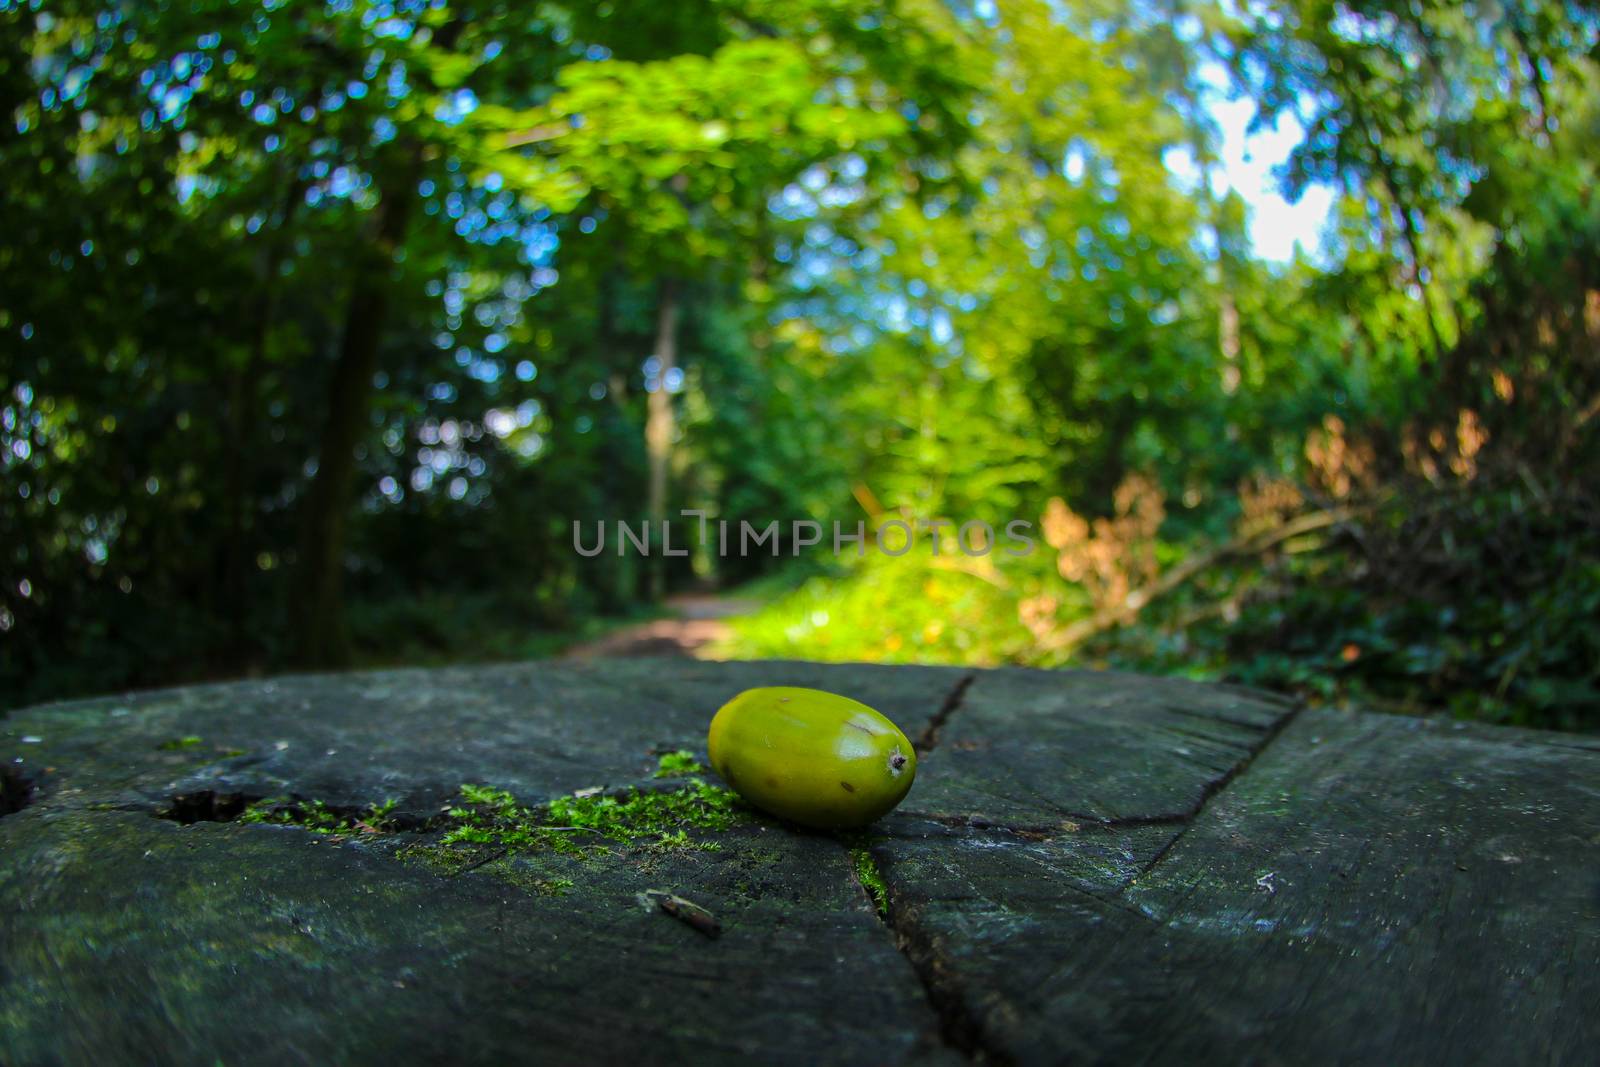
(696, 621)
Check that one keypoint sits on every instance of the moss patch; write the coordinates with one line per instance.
(871, 879)
(488, 828)
(489, 817)
(440, 859)
(679, 764)
(317, 817)
(530, 880)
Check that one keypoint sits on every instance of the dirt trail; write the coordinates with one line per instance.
(697, 620)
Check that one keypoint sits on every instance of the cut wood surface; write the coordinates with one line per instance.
(1090, 868)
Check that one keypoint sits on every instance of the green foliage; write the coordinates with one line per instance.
(1483, 640)
(157, 462)
(930, 261)
(892, 610)
(658, 140)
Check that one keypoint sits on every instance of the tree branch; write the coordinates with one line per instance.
(1119, 615)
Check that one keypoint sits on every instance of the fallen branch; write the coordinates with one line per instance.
(1109, 618)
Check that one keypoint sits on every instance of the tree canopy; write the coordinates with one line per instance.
(321, 321)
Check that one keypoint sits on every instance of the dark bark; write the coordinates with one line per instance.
(318, 599)
(318, 615)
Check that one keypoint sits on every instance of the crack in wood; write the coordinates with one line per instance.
(1176, 708)
(1072, 823)
(1211, 789)
(959, 1029)
(929, 739)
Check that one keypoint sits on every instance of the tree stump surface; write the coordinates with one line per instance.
(1091, 867)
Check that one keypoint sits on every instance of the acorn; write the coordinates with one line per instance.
(812, 757)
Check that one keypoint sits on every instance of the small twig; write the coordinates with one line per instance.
(475, 864)
(980, 572)
(686, 912)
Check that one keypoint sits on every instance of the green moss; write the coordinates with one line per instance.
(679, 764)
(317, 817)
(491, 817)
(528, 879)
(451, 860)
(489, 828)
(181, 744)
(441, 859)
(756, 856)
(638, 814)
(871, 879)
(379, 816)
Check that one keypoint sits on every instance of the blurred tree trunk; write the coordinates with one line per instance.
(318, 604)
(621, 584)
(660, 427)
(243, 388)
